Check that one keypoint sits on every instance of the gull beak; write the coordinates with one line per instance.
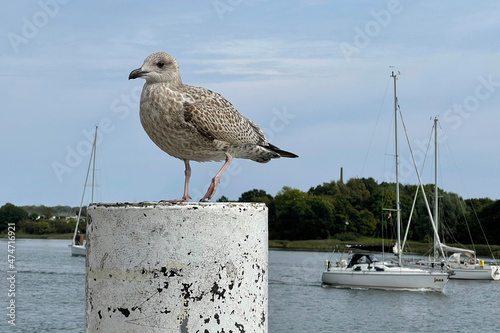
(137, 73)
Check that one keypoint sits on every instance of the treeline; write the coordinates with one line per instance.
(344, 211)
(45, 211)
(357, 208)
(40, 220)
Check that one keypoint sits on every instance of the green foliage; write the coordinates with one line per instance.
(27, 226)
(63, 227)
(344, 211)
(37, 224)
(490, 214)
(223, 199)
(42, 227)
(255, 196)
(366, 222)
(302, 216)
(325, 209)
(47, 212)
(56, 210)
(346, 237)
(11, 214)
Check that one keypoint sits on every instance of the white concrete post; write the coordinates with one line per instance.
(190, 267)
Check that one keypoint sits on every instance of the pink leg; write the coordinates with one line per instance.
(216, 180)
(187, 173)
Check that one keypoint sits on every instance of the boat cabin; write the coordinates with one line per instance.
(361, 258)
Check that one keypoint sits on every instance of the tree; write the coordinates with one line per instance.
(42, 227)
(357, 192)
(255, 196)
(367, 222)
(326, 189)
(223, 199)
(290, 206)
(11, 214)
(490, 218)
(47, 212)
(303, 216)
(63, 227)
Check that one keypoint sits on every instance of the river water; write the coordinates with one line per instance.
(298, 302)
(50, 297)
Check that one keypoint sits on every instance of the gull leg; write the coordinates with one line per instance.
(187, 173)
(216, 180)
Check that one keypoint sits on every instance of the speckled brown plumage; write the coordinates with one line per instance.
(194, 123)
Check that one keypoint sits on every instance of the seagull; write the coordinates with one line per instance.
(196, 124)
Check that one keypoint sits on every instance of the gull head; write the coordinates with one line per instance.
(159, 67)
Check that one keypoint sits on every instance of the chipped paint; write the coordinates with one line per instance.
(158, 267)
(114, 274)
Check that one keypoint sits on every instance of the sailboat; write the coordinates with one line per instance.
(78, 243)
(463, 262)
(364, 270)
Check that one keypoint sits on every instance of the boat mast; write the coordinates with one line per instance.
(436, 197)
(92, 159)
(398, 210)
(94, 152)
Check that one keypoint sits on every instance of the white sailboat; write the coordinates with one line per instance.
(463, 262)
(78, 243)
(365, 271)
(468, 267)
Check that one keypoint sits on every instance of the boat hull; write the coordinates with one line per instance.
(487, 273)
(470, 272)
(78, 251)
(397, 278)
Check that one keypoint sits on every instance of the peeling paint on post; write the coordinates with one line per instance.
(190, 267)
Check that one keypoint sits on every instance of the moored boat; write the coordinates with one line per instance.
(364, 270)
(467, 267)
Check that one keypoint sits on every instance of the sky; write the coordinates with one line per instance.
(314, 75)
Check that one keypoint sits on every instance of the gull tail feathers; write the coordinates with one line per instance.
(283, 153)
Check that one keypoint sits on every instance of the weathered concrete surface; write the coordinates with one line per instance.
(191, 267)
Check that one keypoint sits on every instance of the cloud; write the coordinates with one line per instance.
(263, 57)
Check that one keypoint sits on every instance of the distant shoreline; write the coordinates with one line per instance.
(327, 245)
(68, 236)
(323, 245)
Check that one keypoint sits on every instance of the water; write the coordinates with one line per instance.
(298, 303)
(50, 297)
(50, 287)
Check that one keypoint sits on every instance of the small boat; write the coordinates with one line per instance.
(364, 270)
(464, 264)
(468, 267)
(78, 247)
(78, 243)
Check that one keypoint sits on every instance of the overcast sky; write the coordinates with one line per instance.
(314, 75)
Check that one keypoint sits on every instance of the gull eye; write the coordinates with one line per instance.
(160, 64)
